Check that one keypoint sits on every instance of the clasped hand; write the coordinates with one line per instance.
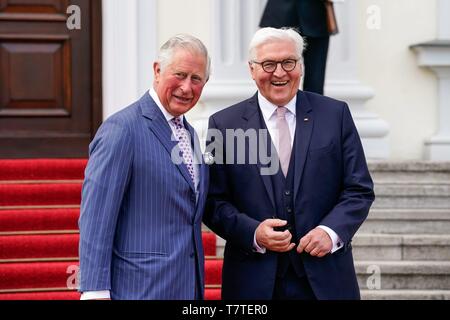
(317, 242)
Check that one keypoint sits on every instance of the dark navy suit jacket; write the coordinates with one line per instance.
(140, 223)
(332, 187)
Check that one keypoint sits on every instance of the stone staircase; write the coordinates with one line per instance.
(402, 251)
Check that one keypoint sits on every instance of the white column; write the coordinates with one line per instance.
(147, 43)
(129, 47)
(342, 82)
(233, 24)
(436, 56)
(443, 10)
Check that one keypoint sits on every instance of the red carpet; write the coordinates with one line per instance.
(40, 194)
(38, 220)
(42, 169)
(213, 271)
(39, 275)
(65, 295)
(38, 246)
(39, 231)
(61, 246)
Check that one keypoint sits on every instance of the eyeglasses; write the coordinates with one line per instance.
(270, 66)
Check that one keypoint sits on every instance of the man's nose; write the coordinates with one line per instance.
(186, 85)
(279, 71)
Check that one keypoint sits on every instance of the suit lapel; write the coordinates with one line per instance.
(303, 132)
(252, 120)
(157, 123)
(201, 167)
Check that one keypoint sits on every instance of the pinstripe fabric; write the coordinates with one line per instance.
(140, 223)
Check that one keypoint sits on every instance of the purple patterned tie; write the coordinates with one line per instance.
(184, 142)
(284, 140)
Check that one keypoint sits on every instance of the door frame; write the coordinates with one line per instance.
(97, 68)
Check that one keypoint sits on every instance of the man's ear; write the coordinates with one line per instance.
(156, 71)
(252, 69)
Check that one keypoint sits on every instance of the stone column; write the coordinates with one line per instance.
(129, 48)
(342, 82)
(233, 24)
(436, 56)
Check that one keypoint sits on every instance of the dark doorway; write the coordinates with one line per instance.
(50, 78)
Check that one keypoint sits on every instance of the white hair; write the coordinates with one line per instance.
(265, 35)
(183, 41)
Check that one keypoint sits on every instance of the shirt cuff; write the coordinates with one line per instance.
(95, 295)
(337, 242)
(256, 247)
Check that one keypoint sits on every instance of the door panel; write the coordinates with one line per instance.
(50, 90)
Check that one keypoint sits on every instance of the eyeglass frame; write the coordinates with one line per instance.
(276, 66)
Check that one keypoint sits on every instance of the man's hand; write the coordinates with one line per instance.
(317, 243)
(274, 240)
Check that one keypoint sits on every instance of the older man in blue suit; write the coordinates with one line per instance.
(288, 223)
(145, 189)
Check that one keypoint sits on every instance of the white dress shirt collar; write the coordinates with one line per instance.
(268, 108)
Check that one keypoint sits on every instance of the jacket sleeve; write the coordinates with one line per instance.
(106, 179)
(220, 215)
(357, 193)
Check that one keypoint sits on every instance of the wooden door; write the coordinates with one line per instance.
(50, 78)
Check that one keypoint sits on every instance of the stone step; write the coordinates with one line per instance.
(407, 221)
(395, 247)
(399, 247)
(411, 189)
(405, 294)
(412, 195)
(418, 171)
(409, 275)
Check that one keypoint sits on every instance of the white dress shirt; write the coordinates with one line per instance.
(95, 295)
(269, 113)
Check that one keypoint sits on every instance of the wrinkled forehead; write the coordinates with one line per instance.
(276, 49)
(183, 56)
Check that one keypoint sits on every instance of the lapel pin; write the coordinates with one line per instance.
(208, 158)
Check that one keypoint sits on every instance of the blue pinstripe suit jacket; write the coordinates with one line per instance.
(140, 221)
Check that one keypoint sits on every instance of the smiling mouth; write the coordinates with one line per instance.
(279, 83)
(182, 99)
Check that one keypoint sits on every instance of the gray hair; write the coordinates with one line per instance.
(183, 41)
(266, 35)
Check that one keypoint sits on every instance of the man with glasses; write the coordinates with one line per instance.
(310, 18)
(288, 232)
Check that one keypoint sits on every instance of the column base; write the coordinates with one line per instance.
(438, 148)
(371, 128)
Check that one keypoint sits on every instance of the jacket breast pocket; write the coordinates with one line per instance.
(143, 255)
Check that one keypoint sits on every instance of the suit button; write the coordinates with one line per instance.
(287, 193)
(193, 198)
(289, 210)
